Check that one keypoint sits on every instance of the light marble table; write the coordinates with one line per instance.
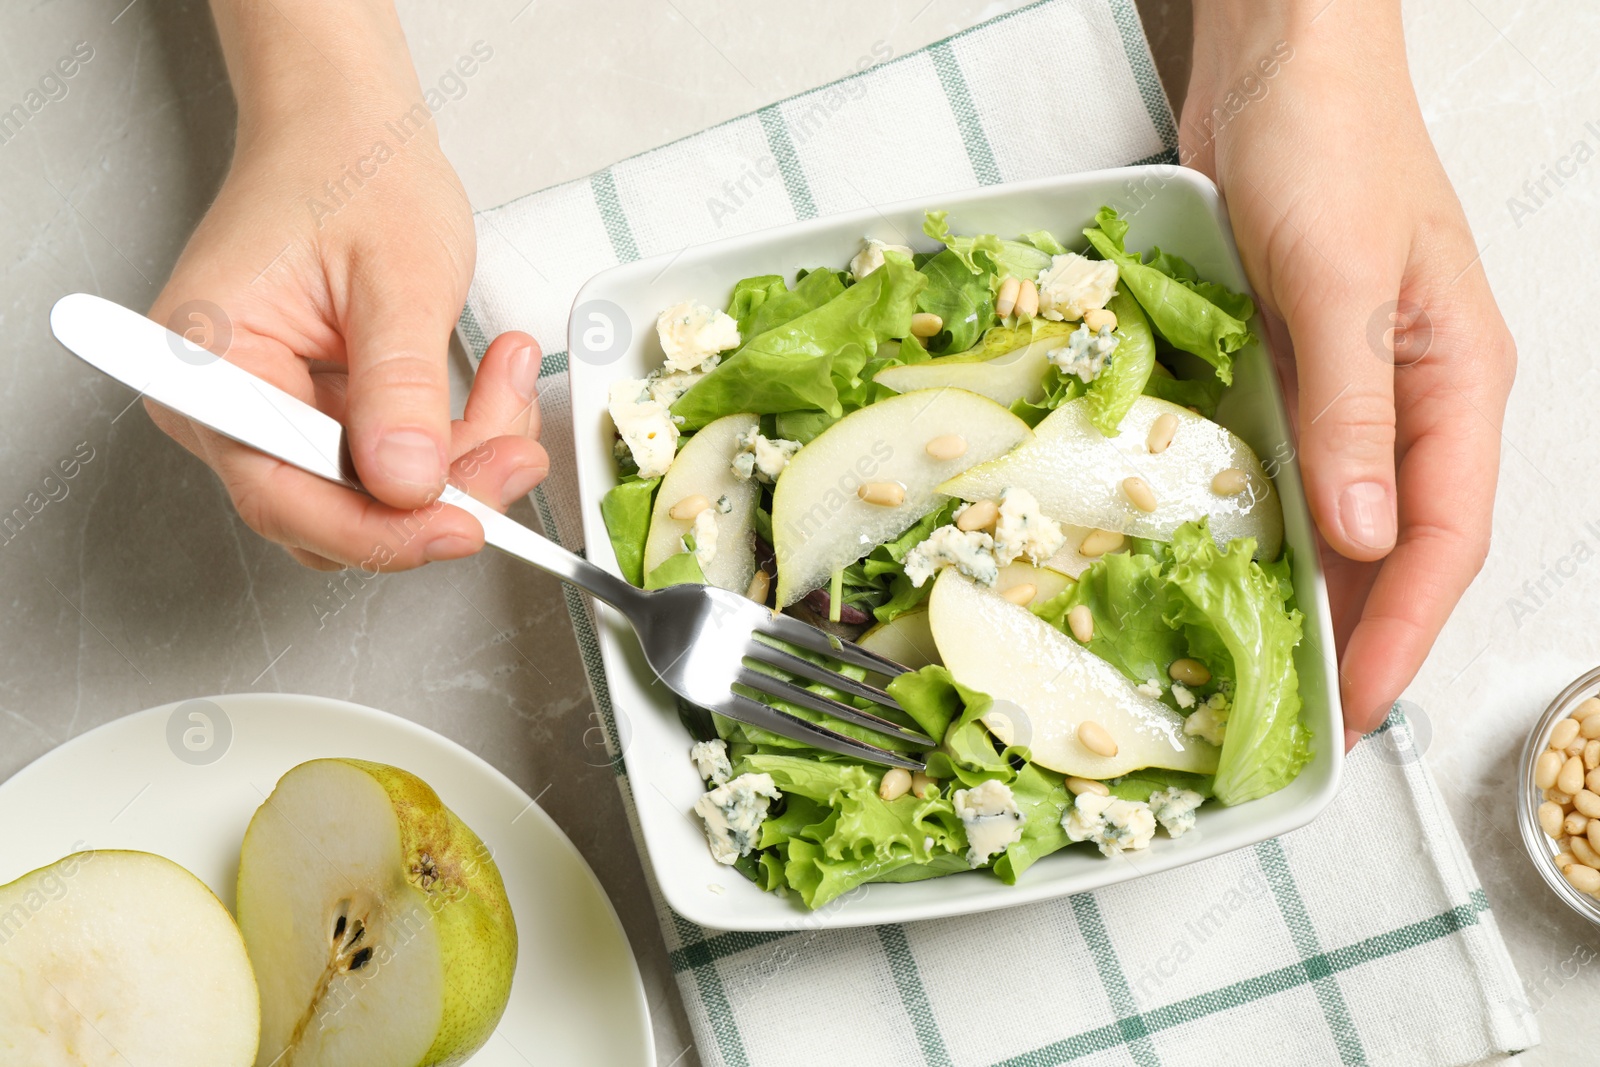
(140, 586)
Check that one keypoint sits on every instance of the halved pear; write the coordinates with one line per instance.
(705, 468)
(377, 922)
(820, 524)
(1076, 473)
(906, 639)
(1045, 685)
(112, 958)
(1007, 366)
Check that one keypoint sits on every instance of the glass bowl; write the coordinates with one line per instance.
(1542, 849)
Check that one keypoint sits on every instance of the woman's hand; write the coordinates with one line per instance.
(1353, 238)
(334, 264)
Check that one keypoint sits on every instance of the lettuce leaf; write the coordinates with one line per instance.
(765, 303)
(805, 363)
(1119, 383)
(878, 582)
(680, 568)
(989, 254)
(1186, 392)
(1131, 600)
(1246, 606)
(625, 509)
(1185, 317)
(963, 299)
(1140, 784)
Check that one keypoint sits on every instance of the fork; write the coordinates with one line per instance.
(716, 649)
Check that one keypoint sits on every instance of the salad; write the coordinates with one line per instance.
(996, 464)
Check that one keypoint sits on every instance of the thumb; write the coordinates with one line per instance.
(397, 332)
(1346, 413)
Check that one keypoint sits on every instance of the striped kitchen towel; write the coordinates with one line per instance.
(1363, 938)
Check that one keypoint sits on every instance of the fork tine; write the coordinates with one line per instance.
(788, 661)
(785, 690)
(745, 709)
(812, 639)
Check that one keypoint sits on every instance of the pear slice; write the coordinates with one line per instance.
(1045, 685)
(1047, 581)
(1007, 366)
(907, 639)
(115, 958)
(705, 468)
(376, 920)
(820, 524)
(1068, 560)
(1076, 473)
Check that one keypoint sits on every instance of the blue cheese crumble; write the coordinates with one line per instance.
(990, 815)
(693, 334)
(1111, 823)
(1085, 353)
(761, 457)
(1209, 721)
(1024, 530)
(870, 258)
(733, 813)
(711, 760)
(1174, 809)
(1183, 695)
(971, 552)
(1151, 688)
(644, 424)
(1073, 284)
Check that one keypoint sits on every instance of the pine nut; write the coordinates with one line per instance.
(1099, 317)
(1161, 433)
(1591, 755)
(1005, 301)
(1230, 482)
(1139, 494)
(1080, 786)
(896, 784)
(925, 324)
(1576, 748)
(1099, 542)
(1563, 734)
(760, 586)
(921, 784)
(1191, 672)
(1558, 797)
(1550, 817)
(1589, 707)
(1022, 593)
(1590, 728)
(1593, 833)
(1583, 879)
(883, 494)
(1081, 621)
(1027, 299)
(1591, 781)
(1570, 780)
(1547, 769)
(1564, 860)
(1587, 802)
(1574, 823)
(979, 515)
(1584, 851)
(1093, 736)
(947, 446)
(689, 507)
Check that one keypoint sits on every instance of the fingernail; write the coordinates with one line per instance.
(448, 547)
(524, 372)
(1350, 739)
(520, 483)
(1367, 514)
(412, 457)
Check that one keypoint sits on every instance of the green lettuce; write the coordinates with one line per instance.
(1122, 379)
(1132, 601)
(1203, 395)
(992, 255)
(1140, 784)
(625, 509)
(765, 303)
(805, 363)
(1246, 607)
(963, 299)
(680, 568)
(1189, 319)
(878, 583)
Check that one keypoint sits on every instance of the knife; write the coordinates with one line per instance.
(147, 357)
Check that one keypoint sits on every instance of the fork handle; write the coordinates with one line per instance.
(515, 539)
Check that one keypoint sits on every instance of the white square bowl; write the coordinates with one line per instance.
(1176, 208)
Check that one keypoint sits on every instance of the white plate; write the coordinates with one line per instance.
(135, 784)
(1173, 207)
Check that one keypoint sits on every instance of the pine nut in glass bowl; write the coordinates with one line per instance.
(1560, 827)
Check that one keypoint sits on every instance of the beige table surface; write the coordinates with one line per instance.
(141, 587)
